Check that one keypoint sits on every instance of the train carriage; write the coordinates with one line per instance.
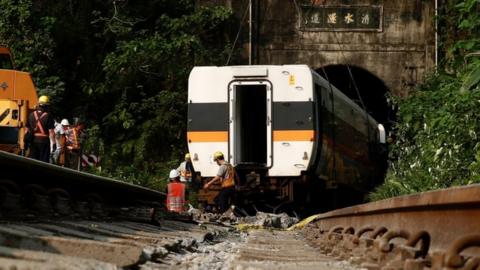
(287, 131)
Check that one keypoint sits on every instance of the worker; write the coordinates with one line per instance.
(41, 126)
(186, 169)
(74, 137)
(60, 140)
(175, 193)
(226, 176)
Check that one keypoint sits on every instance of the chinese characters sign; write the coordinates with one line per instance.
(341, 18)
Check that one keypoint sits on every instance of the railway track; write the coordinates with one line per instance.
(29, 188)
(54, 218)
(432, 230)
(57, 218)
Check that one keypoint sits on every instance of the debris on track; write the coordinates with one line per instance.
(259, 220)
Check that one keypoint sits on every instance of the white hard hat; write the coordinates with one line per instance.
(65, 122)
(174, 174)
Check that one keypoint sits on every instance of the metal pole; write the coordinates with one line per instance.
(250, 26)
(436, 34)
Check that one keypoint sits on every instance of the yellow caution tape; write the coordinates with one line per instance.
(250, 227)
(302, 223)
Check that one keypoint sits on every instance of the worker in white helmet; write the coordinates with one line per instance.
(175, 193)
(59, 153)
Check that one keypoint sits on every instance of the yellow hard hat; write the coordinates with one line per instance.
(217, 155)
(187, 156)
(43, 100)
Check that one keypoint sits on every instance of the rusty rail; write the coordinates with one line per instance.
(438, 230)
(29, 187)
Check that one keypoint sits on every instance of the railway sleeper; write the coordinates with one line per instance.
(116, 243)
(151, 247)
(39, 240)
(43, 238)
(11, 258)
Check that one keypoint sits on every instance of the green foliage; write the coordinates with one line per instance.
(437, 140)
(27, 31)
(146, 77)
(472, 78)
(460, 31)
(122, 66)
(438, 129)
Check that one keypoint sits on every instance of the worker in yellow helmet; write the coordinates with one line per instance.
(226, 176)
(186, 169)
(40, 129)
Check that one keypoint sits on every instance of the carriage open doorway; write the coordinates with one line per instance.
(250, 127)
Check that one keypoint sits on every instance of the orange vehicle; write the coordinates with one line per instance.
(18, 98)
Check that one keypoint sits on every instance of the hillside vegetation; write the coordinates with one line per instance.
(438, 131)
(123, 67)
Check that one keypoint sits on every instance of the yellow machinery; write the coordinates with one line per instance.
(17, 98)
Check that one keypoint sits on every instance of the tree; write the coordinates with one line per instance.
(122, 66)
(438, 126)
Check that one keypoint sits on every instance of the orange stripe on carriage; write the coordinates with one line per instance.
(278, 135)
(207, 136)
(294, 135)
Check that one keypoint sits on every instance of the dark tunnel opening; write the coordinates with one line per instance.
(373, 90)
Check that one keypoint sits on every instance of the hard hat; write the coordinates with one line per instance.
(174, 174)
(43, 100)
(187, 156)
(217, 155)
(65, 122)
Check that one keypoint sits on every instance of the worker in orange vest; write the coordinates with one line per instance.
(175, 193)
(40, 135)
(74, 136)
(226, 176)
(186, 169)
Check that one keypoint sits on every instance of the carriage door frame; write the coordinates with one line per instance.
(232, 123)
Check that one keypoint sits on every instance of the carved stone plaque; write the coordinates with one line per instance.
(341, 18)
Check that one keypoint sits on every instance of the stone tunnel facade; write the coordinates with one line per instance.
(392, 40)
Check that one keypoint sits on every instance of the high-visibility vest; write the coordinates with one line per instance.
(72, 139)
(39, 129)
(176, 197)
(186, 171)
(229, 180)
(186, 174)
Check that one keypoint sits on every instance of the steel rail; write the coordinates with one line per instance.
(24, 169)
(439, 228)
(31, 185)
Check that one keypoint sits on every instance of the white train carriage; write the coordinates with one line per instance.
(281, 123)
